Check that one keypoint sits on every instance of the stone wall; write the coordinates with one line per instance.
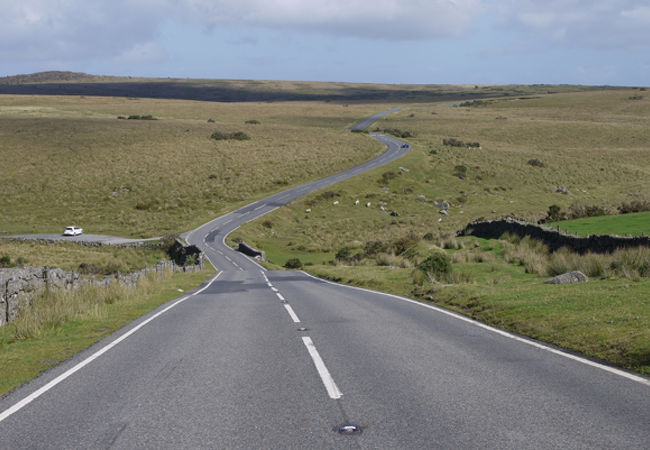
(19, 284)
(553, 238)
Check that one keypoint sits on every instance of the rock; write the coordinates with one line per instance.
(571, 277)
(113, 194)
(443, 212)
(445, 205)
(394, 213)
(404, 169)
(562, 190)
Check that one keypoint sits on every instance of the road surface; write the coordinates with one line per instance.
(279, 359)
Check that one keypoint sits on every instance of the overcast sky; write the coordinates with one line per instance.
(391, 41)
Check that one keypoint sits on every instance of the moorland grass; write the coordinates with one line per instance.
(70, 160)
(71, 256)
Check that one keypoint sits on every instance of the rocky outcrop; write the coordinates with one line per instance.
(571, 277)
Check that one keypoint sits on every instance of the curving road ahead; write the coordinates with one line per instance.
(259, 359)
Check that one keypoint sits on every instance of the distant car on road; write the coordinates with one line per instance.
(405, 145)
(72, 231)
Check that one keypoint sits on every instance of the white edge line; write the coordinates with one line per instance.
(292, 313)
(332, 389)
(506, 334)
(34, 395)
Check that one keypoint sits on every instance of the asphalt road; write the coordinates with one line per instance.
(259, 359)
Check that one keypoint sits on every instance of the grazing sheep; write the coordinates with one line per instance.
(336, 202)
(368, 205)
(356, 202)
(308, 210)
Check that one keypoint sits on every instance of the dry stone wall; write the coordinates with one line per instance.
(19, 284)
(553, 238)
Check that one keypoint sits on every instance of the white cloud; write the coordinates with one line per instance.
(580, 23)
(392, 19)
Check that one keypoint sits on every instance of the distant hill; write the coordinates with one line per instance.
(45, 77)
(216, 90)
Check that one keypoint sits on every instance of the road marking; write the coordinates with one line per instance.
(332, 389)
(34, 395)
(292, 313)
(274, 289)
(538, 345)
(227, 222)
(280, 296)
(259, 207)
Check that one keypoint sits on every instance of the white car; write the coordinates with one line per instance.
(72, 231)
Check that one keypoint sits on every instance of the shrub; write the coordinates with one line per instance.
(253, 122)
(436, 264)
(554, 214)
(634, 206)
(222, 136)
(293, 263)
(343, 254)
(453, 142)
(139, 117)
(386, 177)
(535, 163)
(5, 261)
(460, 171)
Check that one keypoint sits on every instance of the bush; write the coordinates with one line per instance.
(436, 264)
(253, 122)
(343, 254)
(554, 214)
(293, 263)
(460, 171)
(453, 142)
(634, 206)
(222, 136)
(535, 163)
(5, 261)
(139, 117)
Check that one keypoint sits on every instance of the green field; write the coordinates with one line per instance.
(634, 224)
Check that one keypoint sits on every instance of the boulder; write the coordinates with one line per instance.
(571, 277)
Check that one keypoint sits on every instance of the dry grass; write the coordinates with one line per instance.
(70, 160)
(68, 256)
(51, 309)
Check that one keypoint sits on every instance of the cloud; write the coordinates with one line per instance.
(75, 29)
(595, 24)
(390, 19)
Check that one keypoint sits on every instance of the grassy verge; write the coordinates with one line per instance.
(48, 334)
(606, 318)
(634, 224)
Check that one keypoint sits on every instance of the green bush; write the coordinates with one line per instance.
(5, 261)
(436, 264)
(293, 263)
(222, 136)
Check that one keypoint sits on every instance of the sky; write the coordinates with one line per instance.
(592, 42)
